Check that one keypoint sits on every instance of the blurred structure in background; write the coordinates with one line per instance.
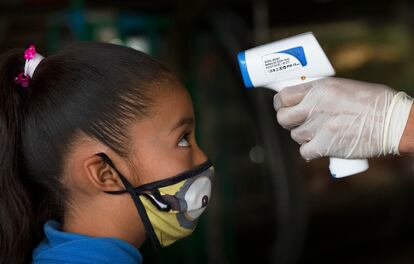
(269, 206)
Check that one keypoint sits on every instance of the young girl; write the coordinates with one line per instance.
(90, 141)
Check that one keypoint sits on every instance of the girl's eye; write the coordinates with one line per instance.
(184, 141)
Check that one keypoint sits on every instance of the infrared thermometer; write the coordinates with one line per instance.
(293, 61)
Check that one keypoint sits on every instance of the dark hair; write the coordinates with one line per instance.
(95, 89)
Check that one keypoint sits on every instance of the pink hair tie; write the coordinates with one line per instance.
(30, 52)
(22, 79)
(32, 60)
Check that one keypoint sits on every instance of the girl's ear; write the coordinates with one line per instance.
(101, 175)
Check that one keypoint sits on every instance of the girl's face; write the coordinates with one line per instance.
(161, 146)
(164, 145)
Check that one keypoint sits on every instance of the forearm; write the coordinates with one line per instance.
(406, 146)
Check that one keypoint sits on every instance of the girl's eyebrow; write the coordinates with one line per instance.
(183, 121)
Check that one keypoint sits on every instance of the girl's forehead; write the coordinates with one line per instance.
(171, 110)
(173, 105)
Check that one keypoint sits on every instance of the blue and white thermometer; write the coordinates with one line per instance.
(292, 61)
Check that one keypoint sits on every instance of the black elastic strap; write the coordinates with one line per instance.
(138, 204)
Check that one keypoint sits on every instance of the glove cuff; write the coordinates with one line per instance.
(395, 122)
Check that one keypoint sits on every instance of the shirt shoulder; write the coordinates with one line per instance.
(63, 247)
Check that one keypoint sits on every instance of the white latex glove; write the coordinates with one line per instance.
(343, 118)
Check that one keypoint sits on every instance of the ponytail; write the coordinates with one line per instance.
(16, 213)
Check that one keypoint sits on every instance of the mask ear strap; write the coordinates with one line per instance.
(138, 204)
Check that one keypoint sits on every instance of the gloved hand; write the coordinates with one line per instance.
(343, 118)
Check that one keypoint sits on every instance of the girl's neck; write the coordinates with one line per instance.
(101, 226)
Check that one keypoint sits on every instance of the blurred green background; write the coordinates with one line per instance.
(268, 206)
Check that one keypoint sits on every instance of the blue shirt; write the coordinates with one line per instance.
(62, 247)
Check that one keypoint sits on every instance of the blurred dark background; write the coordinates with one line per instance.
(268, 206)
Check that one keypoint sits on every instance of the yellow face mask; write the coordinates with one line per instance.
(170, 208)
